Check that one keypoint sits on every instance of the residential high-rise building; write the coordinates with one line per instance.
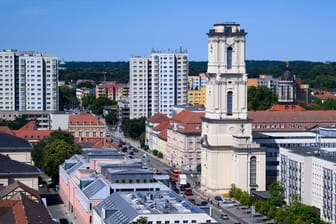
(228, 155)
(28, 82)
(157, 83)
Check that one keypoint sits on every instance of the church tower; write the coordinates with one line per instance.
(228, 154)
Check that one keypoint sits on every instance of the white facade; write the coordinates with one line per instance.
(28, 81)
(59, 121)
(157, 83)
(228, 154)
(311, 175)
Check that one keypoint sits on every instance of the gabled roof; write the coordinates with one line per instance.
(187, 122)
(84, 119)
(158, 118)
(308, 116)
(8, 141)
(11, 211)
(6, 129)
(323, 95)
(35, 212)
(29, 131)
(163, 125)
(15, 185)
(286, 108)
(23, 211)
(94, 189)
(117, 209)
(9, 167)
(163, 134)
(189, 117)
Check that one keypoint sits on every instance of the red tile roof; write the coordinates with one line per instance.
(84, 119)
(6, 129)
(163, 125)
(187, 122)
(189, 117)
(293, 120)
(323, 95)
(95, 142)
(158, 118)
(163, 134)
(29, 132)
(12, 210)
(286, 108)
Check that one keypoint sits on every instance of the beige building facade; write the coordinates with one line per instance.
(229, 155)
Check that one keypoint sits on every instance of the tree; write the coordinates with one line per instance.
(112, 118)
(88, 85)
(54, 154)
(133, 128)
(67, 98)
(38, 150)
(37, 153)
(16, 124)
(141, 220)
(100, 103)
(88, 100)
(260, 98)
(142, 139)
(276, 195)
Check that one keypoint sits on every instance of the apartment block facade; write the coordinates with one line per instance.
(157, 83)
(28, 82)
(197, 89)
(310, 174)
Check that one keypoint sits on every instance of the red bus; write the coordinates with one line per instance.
(188, 191)
(174, 175)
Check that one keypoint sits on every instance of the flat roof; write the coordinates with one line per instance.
(328, 155)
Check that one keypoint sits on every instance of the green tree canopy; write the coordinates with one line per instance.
(85, 84)
(67, 98)
(98, 105)
(88, 100)
(133, 128)
(38, 150)
(260, 98)
(112, 118)
(16, 124)
(54, 154)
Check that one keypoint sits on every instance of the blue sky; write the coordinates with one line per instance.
(114, 30)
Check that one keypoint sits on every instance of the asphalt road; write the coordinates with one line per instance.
(236, 214)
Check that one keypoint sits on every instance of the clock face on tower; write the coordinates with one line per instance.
(230, 41)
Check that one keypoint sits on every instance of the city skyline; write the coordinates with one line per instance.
(116, 30)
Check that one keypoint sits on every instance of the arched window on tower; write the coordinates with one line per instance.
(229, 103)
(229, 57)
(253, 171)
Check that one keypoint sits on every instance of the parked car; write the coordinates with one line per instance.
(188, 191)
(224, 216)
(218, 198)
(135, 150)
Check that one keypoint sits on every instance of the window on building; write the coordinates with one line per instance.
(253, 170)
(229, 57)
(229, 103)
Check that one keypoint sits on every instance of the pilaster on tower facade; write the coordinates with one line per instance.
(229, 155)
